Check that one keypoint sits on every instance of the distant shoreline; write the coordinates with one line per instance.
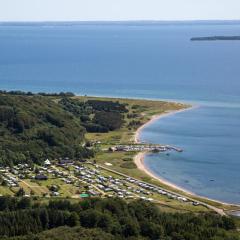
(216, 38)
(120, 22)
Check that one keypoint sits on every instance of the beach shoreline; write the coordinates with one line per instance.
(139, 158)
(139, 161)
(157, 117)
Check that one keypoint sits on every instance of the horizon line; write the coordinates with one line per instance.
(130, 20)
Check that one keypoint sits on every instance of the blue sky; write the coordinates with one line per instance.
(70, 10)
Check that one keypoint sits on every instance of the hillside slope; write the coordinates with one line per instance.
(33, 128)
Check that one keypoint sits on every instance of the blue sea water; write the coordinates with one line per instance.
(144, 60)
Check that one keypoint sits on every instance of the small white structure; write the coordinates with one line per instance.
(108, 164)
(47, 162)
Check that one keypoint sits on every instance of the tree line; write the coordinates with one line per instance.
(22, 93)
(96, 115)
(115, 218)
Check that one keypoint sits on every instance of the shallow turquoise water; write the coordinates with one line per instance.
(146, 61)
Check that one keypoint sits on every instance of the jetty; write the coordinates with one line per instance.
(174, 148)
(144, 148)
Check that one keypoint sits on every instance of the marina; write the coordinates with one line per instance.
(145, 148)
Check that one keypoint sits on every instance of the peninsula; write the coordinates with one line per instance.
(216, 38)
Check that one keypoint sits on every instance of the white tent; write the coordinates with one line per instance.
(47, 162)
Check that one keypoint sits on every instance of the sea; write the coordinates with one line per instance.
(151, 60)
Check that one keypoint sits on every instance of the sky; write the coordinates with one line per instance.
(115, 10)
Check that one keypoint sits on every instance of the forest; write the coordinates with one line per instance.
(96, 116)
(34, 127)
(23, 218)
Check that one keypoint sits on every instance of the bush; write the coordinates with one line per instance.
(129, 165)
(109, 120)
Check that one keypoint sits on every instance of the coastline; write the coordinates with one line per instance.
(139, 158)
(139, 161)
(157, 117)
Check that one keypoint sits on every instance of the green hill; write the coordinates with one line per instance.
(33, 128)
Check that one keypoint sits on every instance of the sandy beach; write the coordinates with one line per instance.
(139, 161)
(139, 158)
(155, 118)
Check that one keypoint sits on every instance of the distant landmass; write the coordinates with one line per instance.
(216, 38)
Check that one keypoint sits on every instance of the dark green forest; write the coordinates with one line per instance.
(107, 219)
(34, 127)
(96, 116)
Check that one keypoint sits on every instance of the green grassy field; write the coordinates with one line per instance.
(6, 191)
